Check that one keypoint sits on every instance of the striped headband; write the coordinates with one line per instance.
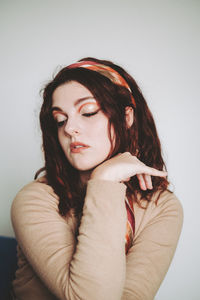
(104, 70)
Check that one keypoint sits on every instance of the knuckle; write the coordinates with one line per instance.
(127, 153)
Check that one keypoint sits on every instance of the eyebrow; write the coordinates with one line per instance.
(78, 101)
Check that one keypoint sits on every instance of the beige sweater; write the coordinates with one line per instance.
(58, 259)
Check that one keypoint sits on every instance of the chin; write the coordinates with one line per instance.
(86, 167)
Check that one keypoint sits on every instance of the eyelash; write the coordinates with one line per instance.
(90, 114)
(61, 123)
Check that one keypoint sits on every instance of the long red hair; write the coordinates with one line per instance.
(141, 139)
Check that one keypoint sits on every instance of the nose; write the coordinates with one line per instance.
(72, 128)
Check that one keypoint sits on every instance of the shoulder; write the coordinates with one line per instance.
(36, 206)
(165, 209)
(164, 201)
(34, 200)
(36, 191)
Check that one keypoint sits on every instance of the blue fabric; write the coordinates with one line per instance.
(8, 264)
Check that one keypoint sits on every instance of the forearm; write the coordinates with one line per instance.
(94, 268)
(99, 260)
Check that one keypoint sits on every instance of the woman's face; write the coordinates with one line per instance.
(82, 126)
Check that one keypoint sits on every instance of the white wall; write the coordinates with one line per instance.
(158, 43)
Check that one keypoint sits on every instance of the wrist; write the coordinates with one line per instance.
(97, 174)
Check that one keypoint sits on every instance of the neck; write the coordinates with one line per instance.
(85, 176)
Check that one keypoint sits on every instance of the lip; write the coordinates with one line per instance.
(77, 147)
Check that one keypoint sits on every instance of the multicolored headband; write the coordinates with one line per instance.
(104, 70)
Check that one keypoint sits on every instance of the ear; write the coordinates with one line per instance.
(129, 113)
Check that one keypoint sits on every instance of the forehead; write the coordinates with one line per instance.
(69, 93)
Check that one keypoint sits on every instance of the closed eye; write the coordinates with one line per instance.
(61, 123)
(59, 118)
(90, 114)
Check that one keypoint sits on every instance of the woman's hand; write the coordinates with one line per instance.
(123, 166)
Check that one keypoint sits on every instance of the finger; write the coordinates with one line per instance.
(154, 172)
(148, 181)
(141, 182)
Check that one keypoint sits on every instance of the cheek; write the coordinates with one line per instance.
(100, 130)
(102, 137)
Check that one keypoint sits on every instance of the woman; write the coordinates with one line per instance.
(101, 223)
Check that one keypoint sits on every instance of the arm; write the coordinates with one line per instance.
(83, 271)
(154, 246)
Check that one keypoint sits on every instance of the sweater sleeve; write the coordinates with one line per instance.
(83, 269)
(155, 242)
